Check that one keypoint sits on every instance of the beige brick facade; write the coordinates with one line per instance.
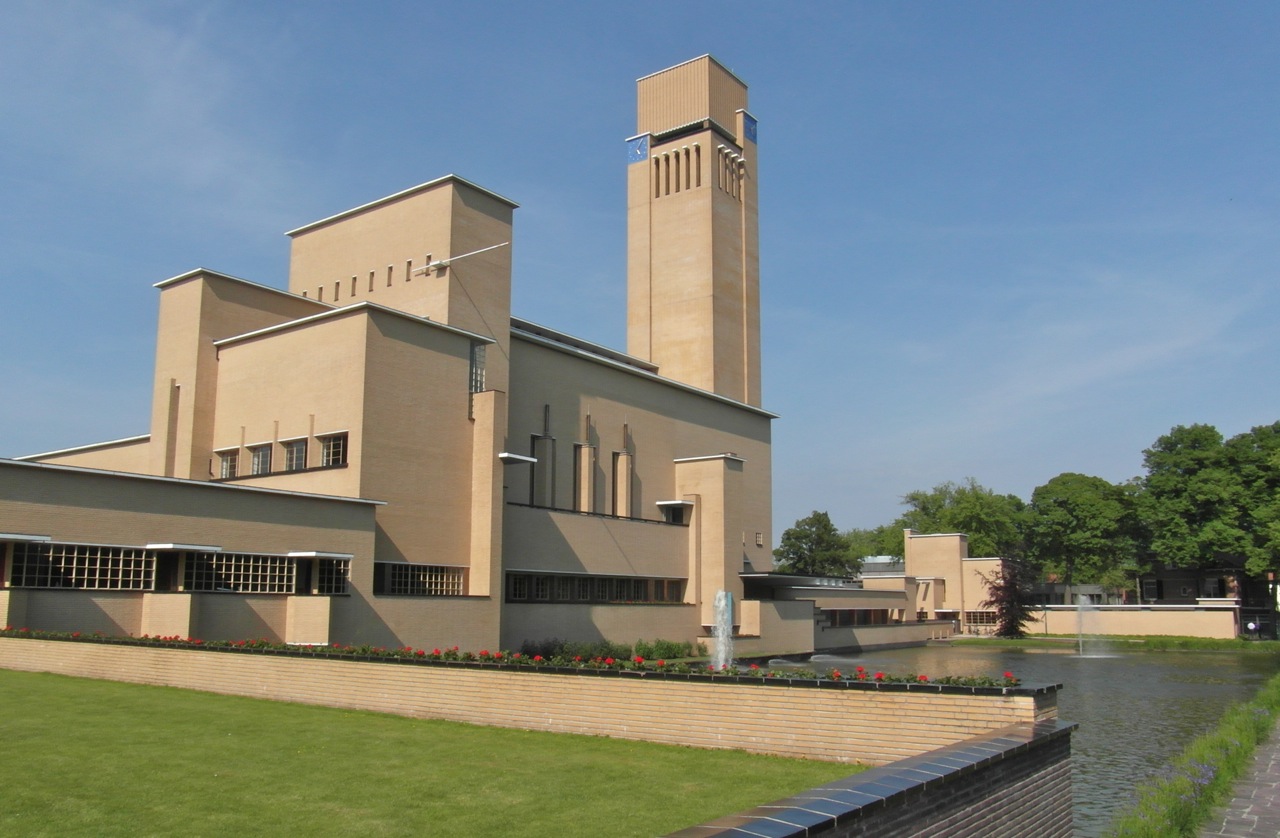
(382, 454)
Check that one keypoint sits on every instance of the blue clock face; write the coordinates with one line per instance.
(638, 149)
(749, 126)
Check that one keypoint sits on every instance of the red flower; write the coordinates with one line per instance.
(923, 679)
(754, 666)
(662, 663)
(516, 656)
(577, 658)
(1008, 675)
(879, 676)
(420, 653)
(835, 675)
(859, 669)
(537, 658)
(608, 661)
(435, 651)
(484, 653)
(639, 659)
(497, 656)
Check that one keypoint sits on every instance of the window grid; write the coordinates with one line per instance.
(241, 573)
(423, 580)
(530, 587)
(82, 566)
(261, 459)
(228, 464)
(477, 368)
(333, 576)
(295, 455)
(333, 450)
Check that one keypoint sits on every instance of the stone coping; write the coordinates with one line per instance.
(840, 803)
(326, 653)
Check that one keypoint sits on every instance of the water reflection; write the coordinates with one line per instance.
(1136, 710)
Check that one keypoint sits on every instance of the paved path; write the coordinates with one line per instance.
(1255, 808)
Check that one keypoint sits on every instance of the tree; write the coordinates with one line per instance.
(1009, 593)
(1084, 530)
(991, 521)
(884, 540)
(1254, 459)
(815, 547)
(1192, 502)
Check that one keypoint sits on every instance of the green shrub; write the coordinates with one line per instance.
(668, 649)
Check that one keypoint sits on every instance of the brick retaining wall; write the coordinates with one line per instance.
(834, 721)
(1008, 784)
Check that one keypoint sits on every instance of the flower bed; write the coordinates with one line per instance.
(635, 666)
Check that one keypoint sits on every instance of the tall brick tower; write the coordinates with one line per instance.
(693, 256)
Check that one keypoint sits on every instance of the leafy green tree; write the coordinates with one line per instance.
(885, 540)
(1254, 459)
(1084, 529)
(1192, 501)
(1009, 593)
(814, 546)
(992, 522)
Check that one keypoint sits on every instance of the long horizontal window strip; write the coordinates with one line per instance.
(82, 567)
(241, 573)
(401, 579)
(562, 588)
(858, 617)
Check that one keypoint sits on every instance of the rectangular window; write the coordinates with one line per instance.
(477, 368)
(295, 455)
(241, 573)
(83, 566)
(542, 588)
(1149, 590)
(228, 464)
(520, 587)
(261, 459)
(333, 450)
(564, 588)
(584, 589)
(402, 579)
(334, 574)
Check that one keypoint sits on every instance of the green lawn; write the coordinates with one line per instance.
(85, 757)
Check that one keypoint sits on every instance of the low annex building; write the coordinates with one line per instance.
(383, 454)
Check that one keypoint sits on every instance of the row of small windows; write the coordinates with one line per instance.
(857, 617)
(333, 452)
(731, 170)
(677, 170)
(93, 567)
(354, 282)
(529, 587)
(403, 579)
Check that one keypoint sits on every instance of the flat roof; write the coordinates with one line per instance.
(349, 309)
(577, 349)
(404, 193)
(185, 482)
(75, 449)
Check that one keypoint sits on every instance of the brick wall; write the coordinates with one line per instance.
(837, 722)
(1010, 783)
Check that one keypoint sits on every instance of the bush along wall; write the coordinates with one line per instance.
(563, 663)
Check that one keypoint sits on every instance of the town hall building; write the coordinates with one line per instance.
(384, 454)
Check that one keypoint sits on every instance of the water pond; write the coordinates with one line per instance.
(1136, 710)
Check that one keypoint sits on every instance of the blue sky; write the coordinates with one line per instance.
(999, 240)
